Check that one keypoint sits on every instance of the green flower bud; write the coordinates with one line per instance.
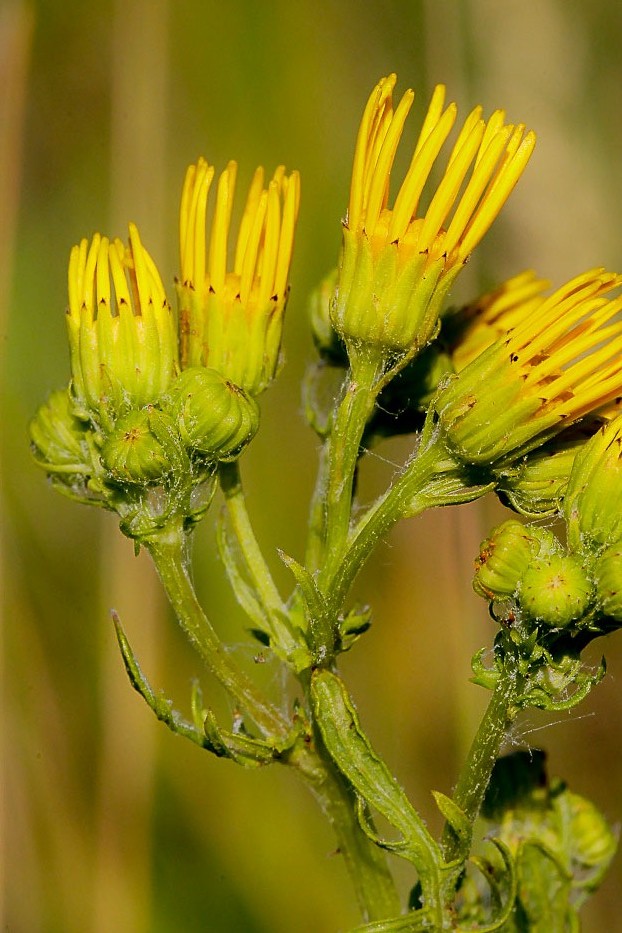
(608, 580)
(589, 840)
(502, 560)
(593, 502)
(505, 556)
(215, 417)
(537, 485)
(131, 453)
(58, 437)
(555, 590)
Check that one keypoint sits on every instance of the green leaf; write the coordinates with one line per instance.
(369, 775)
(239, 747)
(323, 629)
(456, 818)
(159, 703)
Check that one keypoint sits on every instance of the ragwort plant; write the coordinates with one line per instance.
(514, 394)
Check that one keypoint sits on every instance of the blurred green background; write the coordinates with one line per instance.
(110, 823)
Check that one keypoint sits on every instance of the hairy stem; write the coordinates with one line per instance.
(477, 769)
(169, 551)
(337, 477)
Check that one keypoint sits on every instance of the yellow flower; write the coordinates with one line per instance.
(231, 314)
(560, 363)
(398, 263)
(122, 336)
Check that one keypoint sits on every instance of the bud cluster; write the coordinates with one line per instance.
(579, 585)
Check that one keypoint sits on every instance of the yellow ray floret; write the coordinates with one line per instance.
(560, 362)
(481, 323)
(460, 210)
(232, 296)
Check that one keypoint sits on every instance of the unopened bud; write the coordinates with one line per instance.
(608, 579)
(555, 590)
(58, 437)
(505, 556)
(593, 502)
(131, 453)
(215, 417)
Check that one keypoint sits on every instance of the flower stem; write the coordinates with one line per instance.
(169, 551)
(344, 442)
(258, 570)
(475, 774)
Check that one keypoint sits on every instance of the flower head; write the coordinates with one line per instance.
(398, 263)
(558, 364)
(122, 335)
(231, 314)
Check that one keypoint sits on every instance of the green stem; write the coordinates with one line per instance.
(475, 774)
(351, 416)
(366, 863)
(169, 551)
(258, 570)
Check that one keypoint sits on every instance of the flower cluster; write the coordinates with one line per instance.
(146, 383)
(517, 382)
